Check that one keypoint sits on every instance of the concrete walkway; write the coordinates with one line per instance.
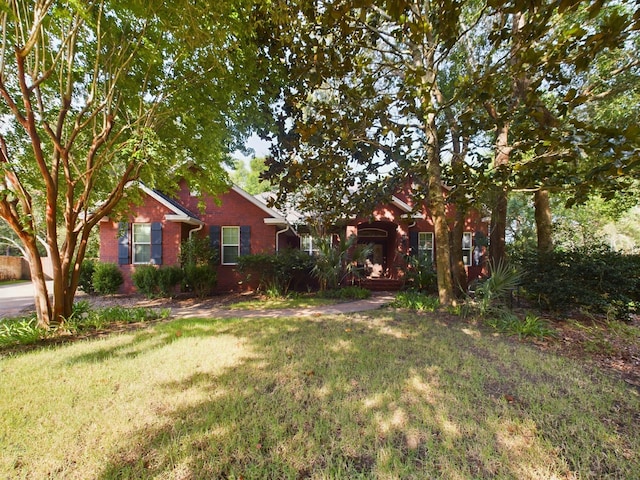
(15, 298)
(377, 300)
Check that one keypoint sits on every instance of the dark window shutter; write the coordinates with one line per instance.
(413, 242)
(245, 240)
(124, 252)
(156, 243)
(214, 241)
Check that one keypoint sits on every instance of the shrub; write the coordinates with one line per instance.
(157, 282)
(336, 262)
(85, 281)
(279, 273)
(503, 280)
(415, 300)
(107, 278)
(199, 279)
(197, 251)
(419, 273)
(168, 279)
(196, 259)
(594, 278)
(145, 278)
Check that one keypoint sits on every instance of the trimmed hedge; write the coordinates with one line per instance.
(595, 278)
(107, 278)
(287, 270)
(157, 282)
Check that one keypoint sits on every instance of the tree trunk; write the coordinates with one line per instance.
(497, 239)
(438, 215)
(40, 294)
(542, 207)
(457, 262)
(497, 242)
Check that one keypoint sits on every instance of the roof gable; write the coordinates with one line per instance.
(180, 213)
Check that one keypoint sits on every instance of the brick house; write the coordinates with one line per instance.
(239, 224)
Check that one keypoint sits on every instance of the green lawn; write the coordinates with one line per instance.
(385, 395)
(281, 303)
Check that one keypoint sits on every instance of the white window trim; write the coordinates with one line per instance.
(421, 243)
(222, 244)
(309, 250)
(134, 243)
(469, 261)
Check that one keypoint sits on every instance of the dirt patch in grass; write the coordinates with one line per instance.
(611, 344)
(180, 301)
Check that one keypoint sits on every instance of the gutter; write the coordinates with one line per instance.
(278, 236)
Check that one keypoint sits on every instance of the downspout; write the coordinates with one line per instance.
(194, 230)
(278, 236)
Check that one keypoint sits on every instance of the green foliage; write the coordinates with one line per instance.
(419, 273)
(196, 259)
(200, 279)
(336, 263)
(416, 300)
(25, 330)
(169, 277)
(84, 318)
(351, 292)
(22, 331)
(85, 281)
(145, 279)
(249, 179)
(123, 99)
(107, 278)
(594, 278)
(157, 282)
(278, 273)
(507, 322)
(497, 289)
(197, 251)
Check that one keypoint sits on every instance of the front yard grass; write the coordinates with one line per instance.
(382, 395)
(281, 303)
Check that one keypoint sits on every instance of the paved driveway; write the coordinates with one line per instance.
(16, 297)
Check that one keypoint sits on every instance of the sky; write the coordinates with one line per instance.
(260, 147)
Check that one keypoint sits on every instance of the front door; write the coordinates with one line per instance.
(377, 261)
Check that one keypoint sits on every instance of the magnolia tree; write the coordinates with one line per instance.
(97, 94)
(483, 96)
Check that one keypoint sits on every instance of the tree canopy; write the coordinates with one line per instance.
(503, 95)
(97, 94)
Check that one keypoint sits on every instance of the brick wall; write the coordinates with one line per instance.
(230, 210)
(233, 210)
(149, 211)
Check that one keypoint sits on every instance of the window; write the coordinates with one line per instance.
(467, 247)
(141, 242)
(425, 245)
(230, 245)
(309, 244)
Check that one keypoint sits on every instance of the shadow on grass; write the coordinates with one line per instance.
(377, 396)
(148, 339)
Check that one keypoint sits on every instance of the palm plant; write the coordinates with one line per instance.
(336, 262)
(503, 280)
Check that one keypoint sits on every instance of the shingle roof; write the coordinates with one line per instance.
(176, 204)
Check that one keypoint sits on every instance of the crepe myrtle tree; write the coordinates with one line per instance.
(97, 94)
